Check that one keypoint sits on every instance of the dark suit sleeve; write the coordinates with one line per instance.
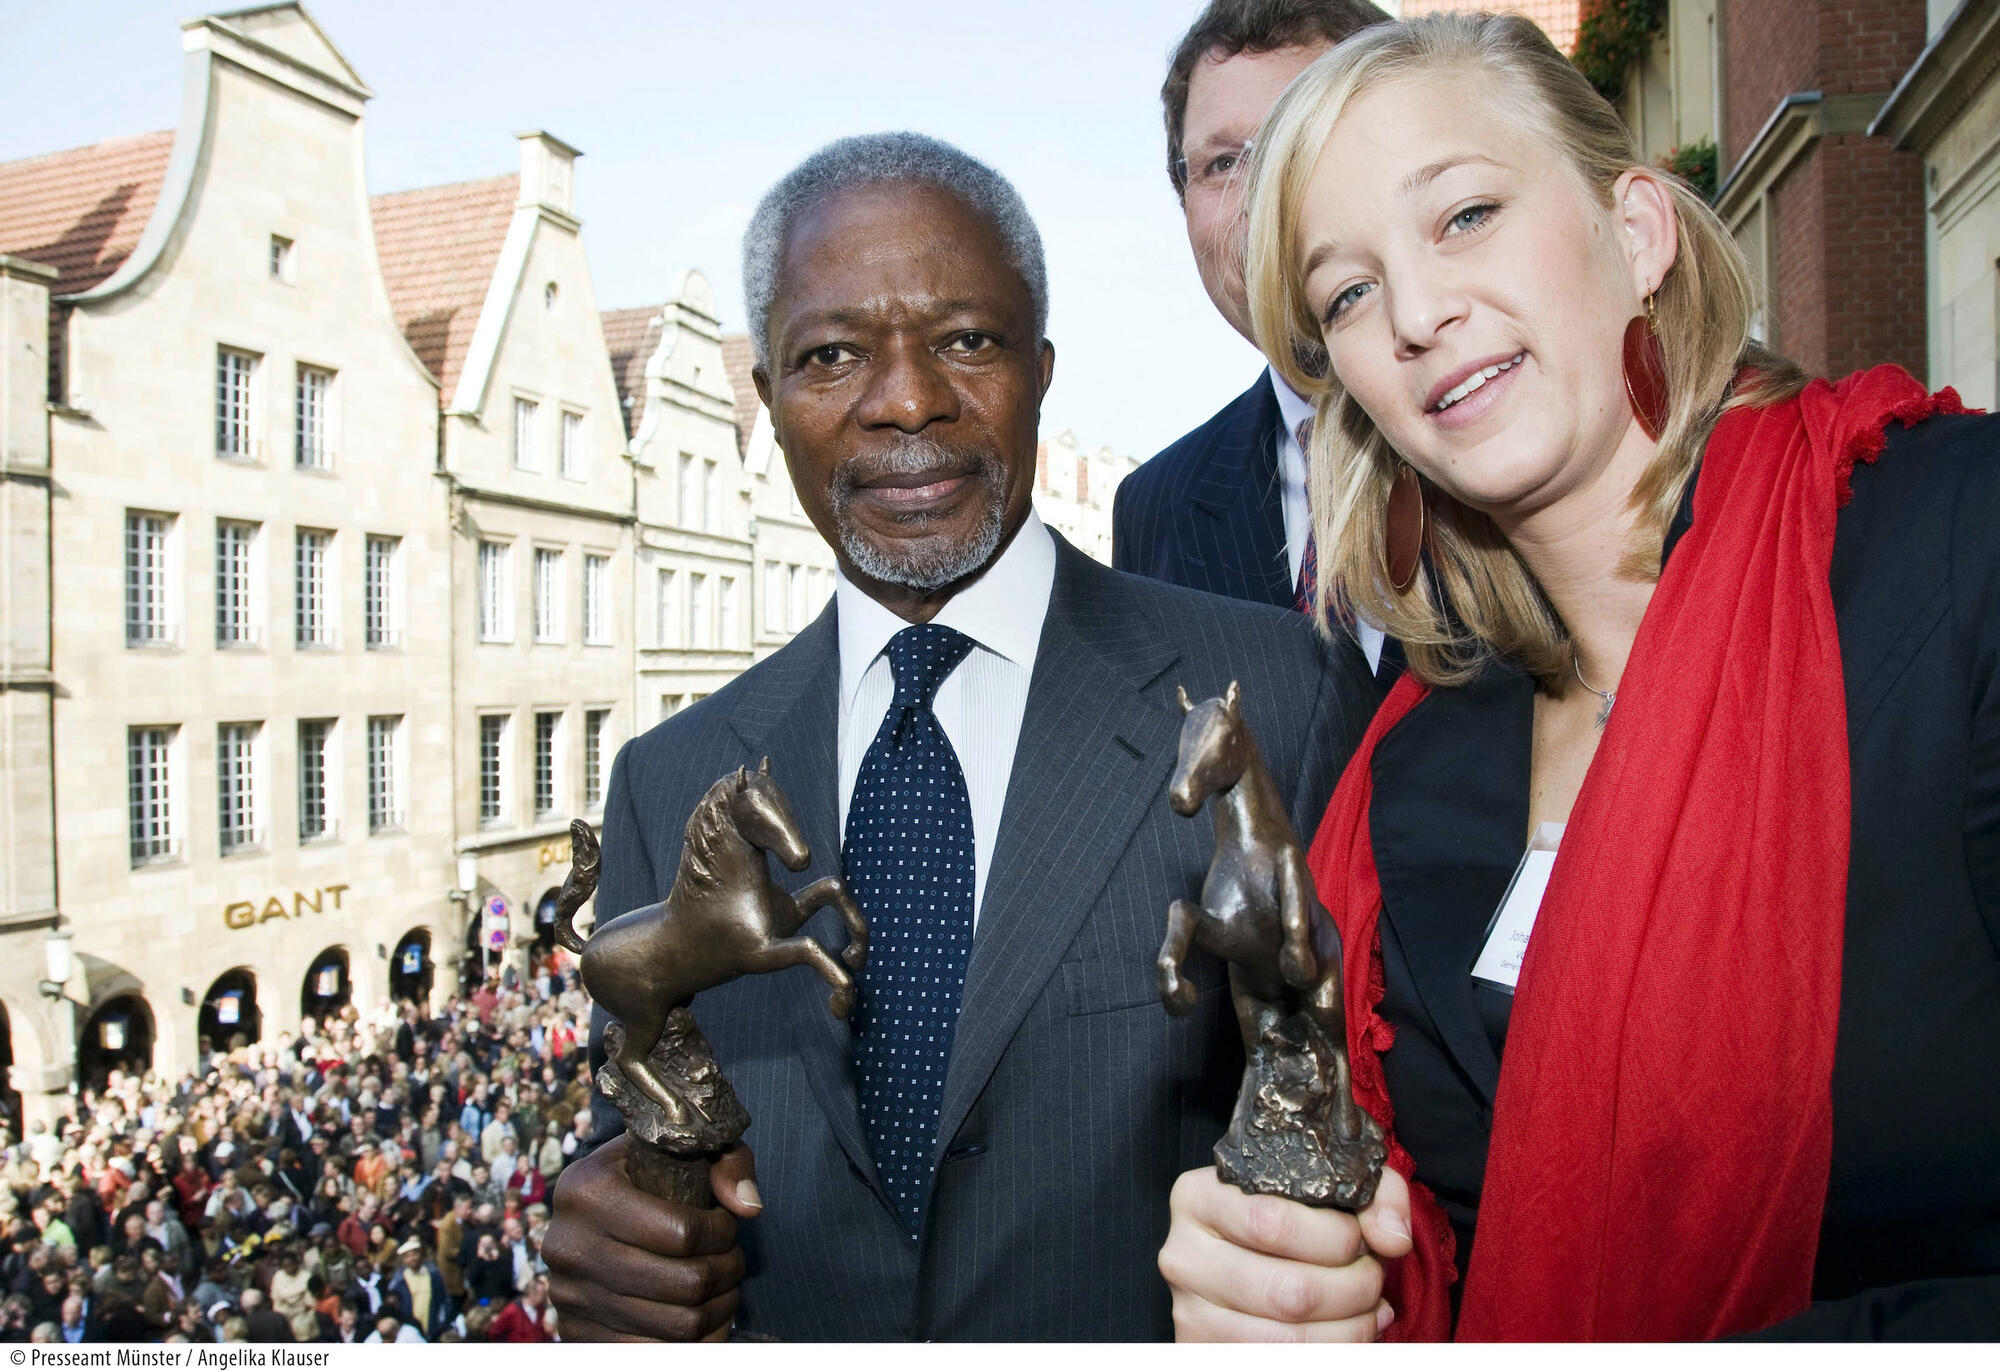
(626, 881)
(1130, 524)
(1341, 710)
(1960, 1309)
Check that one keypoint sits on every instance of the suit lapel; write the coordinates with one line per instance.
(1093, 754)
(797, 720)
(1234, 521)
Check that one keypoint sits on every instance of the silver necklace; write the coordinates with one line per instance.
(1610, 697)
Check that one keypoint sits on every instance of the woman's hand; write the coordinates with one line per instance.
(1257, 1268)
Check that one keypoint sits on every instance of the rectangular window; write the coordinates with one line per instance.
(524, 434)
(382, 591)
(701, 618)
(596, 599)
(492, 769)
(797, 593)
(547, 725)
(726, 611)
(385, 777)
(281, 258)
(690, 511)
(149, 578)
(670, 705)
(496, 594)
(666, 621)
(774, 597)
(548, 595)
(236, 786)
(316, 772)
(234, 372)
(312, 410)
(149, 783)
(596, 725)
(236, 581)
(711, 497)
(312, 594)
(572, 445)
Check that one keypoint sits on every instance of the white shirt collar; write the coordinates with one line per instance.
(1002, 610)
(1295, 408)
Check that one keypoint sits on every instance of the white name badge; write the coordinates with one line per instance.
(1512, 924)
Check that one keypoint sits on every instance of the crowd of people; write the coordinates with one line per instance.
(382, 1176)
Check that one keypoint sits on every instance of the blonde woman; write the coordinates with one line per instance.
(1738, 634)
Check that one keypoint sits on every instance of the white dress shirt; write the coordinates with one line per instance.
(1296, 409)
(980, 704)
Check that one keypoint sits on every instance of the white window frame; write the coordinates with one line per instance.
(526, 416)
(774, 597)
(315, 597)
(319, 760)
(701, 612)
(729, 628)
(798, 593)
(386, 775)
(548, 579)
(688, 511)
(239, 584)
(152, 778)
(152, 579)
(239, 792)
(548, 798)
(382, 592)
(280, 261)
(596, 732)
(496, 591)
(572, 446)
(711, 497)
(496, 770)
(312, 417)
(666, 609)
(236, 376)
(596, 599)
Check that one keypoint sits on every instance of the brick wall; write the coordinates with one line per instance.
(1771, 48)
(1874, 287)
(1867, 45)
(1799, 271)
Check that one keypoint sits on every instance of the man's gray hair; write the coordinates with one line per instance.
(911, 158)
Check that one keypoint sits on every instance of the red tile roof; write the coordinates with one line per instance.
(630, 336)
(439, 246)
(1557, 18)
(82, 211)
(737, 359)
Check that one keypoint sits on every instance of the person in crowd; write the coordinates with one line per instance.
(1736, 631)
(525, 1318)
(897, 302)
(489, 1276)
(418, 1290)
(1225, 507)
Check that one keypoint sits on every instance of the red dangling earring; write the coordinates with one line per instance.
(1646, 372)
(1403, 528)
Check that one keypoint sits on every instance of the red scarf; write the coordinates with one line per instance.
(1663, 1128)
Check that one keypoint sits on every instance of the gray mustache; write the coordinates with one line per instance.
(912, 455)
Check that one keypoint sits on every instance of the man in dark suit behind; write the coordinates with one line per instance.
(1223, 508)
(897, 301)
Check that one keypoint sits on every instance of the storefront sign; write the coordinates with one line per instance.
(247, 914)
(555, 852)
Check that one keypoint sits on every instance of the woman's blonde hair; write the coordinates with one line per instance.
(1479, 598)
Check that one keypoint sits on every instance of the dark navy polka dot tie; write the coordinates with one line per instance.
(908, 861)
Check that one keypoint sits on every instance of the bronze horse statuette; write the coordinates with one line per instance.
(1297, 1131)
(725, 917)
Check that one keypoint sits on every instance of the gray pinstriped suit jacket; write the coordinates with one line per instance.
(1072, 1099)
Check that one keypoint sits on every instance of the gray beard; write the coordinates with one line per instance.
(925, 563)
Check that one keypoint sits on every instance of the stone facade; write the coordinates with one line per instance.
(181, 422)
(1946, 109)
(1073, 491)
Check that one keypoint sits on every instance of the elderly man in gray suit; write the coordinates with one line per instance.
(977, 733)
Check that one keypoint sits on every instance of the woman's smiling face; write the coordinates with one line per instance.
(1472, 293)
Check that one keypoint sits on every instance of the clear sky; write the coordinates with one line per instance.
(686, 111)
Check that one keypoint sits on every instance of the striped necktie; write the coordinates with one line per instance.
(1308, 586)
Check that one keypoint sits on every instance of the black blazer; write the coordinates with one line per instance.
(1208, 511)
(1910, 1244)
(1072, 1100)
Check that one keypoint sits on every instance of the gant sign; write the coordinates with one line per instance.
(247, 913)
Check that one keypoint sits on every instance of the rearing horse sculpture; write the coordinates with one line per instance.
(1258, 913)
(725, 917)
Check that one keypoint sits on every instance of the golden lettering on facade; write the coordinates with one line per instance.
(245, 913)
(554, 853)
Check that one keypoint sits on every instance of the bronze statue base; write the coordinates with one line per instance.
(1296, 1131)
(671, 1149)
